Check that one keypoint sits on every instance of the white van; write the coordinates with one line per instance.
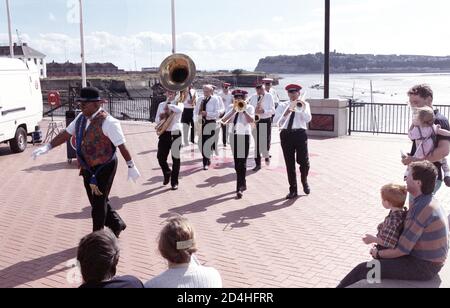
(21, 105)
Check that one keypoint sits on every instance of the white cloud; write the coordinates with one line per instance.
(278, 19)
(51, 17)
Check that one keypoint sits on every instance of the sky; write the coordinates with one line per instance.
(226, 34)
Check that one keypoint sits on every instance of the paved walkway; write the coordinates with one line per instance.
(259, 241)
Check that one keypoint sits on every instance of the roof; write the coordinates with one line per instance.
(24, 50)
(8, 64)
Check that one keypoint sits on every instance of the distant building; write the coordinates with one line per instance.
(74, 69)
(26, 53)
(150, 69)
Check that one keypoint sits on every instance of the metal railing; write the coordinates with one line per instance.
(122, 108)
(375, 118)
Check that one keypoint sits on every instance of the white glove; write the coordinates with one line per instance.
(133, 172)
(41, 151)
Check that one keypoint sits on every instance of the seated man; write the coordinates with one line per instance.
(423, 246)
(98, 255)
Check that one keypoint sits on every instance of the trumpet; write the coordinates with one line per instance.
(239, 106)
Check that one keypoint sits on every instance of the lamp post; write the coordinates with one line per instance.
(11, 46)
(83, 60)
(327, 51)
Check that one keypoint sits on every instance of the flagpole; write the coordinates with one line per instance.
(174, 41)
(11, 46)
(83, 60)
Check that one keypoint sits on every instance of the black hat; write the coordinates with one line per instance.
(89, 94)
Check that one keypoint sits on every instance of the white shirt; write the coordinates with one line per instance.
(193, 276)
(214, 108)
(188, 104)
(276, 97)
(111, 128)
(301, 120)
(267, 104)
(175, 108)
(243, 127)
(222, 104)
(227, 99)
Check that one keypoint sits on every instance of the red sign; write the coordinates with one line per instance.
(54, 99)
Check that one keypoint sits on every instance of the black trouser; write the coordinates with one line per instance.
(241, 147)
(404, 268)
(170, 142)
(295, 142)
(208, 132)
(224, 134)
(102, 213)
(263, 138)
(188, 120)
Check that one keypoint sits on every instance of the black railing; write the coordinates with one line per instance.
(122, 108)
(392, 119)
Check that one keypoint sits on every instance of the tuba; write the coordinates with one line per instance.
(177, 72)
(162, 127)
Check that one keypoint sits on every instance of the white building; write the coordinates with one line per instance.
(26, 53)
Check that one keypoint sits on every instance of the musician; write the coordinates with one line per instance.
(208, 111)
(170, 139)
(218, 127)
(268, 84)
(264, 106)
(241, 130)
(227, 99)
(294, 140)
(98, 136)
(189, 97)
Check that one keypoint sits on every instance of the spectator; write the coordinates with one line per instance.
(98, 255)
(423, 246)
(177, 245)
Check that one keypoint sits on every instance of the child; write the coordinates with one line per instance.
(423, 133)
(394, 198)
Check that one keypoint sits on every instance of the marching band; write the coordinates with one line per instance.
(239, 119)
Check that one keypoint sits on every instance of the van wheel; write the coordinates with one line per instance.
(19, 143)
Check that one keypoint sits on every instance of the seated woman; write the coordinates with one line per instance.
(177, 245)
(98, 255)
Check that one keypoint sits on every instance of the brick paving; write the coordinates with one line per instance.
(259, 241)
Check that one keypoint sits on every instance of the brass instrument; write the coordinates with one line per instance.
(297, 106)
(258, 108)
(176, 73)
(164, 124)
(239, 106)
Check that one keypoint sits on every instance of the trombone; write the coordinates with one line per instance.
(239, 106)
(297, 106)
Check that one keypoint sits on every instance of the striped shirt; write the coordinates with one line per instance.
(426, 232)
(391, 229)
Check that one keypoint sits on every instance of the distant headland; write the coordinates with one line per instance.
(354, 63)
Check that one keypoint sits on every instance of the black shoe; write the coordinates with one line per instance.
(239, 195)
(167, 177)
(205, 168)
(120, 230)
(257, 168)
(174, 187)
(447, 181)
(306, 188)
(267, 161)
(292, 196)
